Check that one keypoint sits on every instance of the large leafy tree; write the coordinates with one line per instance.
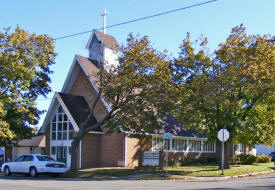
(139, 91)
(24, 75)
(232, 89)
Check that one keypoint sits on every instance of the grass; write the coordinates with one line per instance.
(173, 172)
(214, 171)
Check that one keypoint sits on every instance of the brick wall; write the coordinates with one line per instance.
(90, 150)
(135, 146)
(112, 150)
(83, 87)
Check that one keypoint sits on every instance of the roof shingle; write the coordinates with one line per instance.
(108, 40)
(79, 109)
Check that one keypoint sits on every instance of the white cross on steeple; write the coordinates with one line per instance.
(104, 20)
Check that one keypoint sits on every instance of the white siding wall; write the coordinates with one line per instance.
(110, 57)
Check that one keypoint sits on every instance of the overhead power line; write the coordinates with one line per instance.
(139, 19)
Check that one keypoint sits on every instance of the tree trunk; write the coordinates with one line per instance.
(75, 144)
(226, 155)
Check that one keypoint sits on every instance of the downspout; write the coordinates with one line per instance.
(80, 152)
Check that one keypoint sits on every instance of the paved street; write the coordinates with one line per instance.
(27, 183)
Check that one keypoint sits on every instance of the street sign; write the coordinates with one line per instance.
(223, 135)
(167, 136)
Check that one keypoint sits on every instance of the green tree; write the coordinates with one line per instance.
(233, 89)
(139, 90)
(24, 75)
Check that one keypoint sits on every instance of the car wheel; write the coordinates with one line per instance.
(54, 175)
(33, 172)
(7, 171)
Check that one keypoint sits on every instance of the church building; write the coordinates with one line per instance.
(97, 149)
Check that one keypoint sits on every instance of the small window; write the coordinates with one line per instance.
(28, 158)
(71, 131)
(19, 159)
(60, 117)
(60, 109)
(65, 135)
(53, 149)
(45, 158)
(59, 135)
(59, 127)
(53, 135)
(65, 117)
(54, 119)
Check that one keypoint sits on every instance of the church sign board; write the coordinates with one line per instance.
(151, 158)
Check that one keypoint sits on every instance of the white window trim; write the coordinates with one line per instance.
(188, 139)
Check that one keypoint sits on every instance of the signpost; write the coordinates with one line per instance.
(223, 136)
(167, 136)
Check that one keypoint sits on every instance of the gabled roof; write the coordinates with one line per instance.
(91, 67)
(171, 124)
(107, 40)
(79, 109)
(36, 141)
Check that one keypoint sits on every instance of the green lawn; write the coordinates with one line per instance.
(173, 173)
(214, 171)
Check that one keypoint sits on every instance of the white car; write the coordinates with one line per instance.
(34, 164)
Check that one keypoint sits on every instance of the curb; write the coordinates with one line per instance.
(253, 174)
(186, 178)
(230, 177)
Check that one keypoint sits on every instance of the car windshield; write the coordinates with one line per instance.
(45, 158)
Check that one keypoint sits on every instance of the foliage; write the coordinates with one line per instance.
(233, 88)
(194, 162)
(263, 159)
(24, 71)
(247, 158)
(139, 90)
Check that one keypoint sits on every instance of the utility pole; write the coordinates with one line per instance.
(104, 20)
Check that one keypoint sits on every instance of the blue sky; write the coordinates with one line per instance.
(63, 17)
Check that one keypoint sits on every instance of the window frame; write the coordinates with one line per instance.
(183, 144)
(60, 126)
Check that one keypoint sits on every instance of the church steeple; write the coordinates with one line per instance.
(102, 47)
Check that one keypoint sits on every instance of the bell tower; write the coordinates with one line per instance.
(103, 48)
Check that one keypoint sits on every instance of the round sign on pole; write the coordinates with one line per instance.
(223, 135)
(167, 136)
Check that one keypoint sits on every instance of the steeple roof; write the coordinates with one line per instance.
(107, 40)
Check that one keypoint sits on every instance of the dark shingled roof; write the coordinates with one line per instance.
(108, 40)
(78, 108)
(172, 125)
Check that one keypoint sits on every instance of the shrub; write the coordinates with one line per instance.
(263, 159)
(247, 158)
(175, 164)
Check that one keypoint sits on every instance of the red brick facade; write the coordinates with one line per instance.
(90, 150)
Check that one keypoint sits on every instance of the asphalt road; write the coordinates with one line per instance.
(27, 183)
